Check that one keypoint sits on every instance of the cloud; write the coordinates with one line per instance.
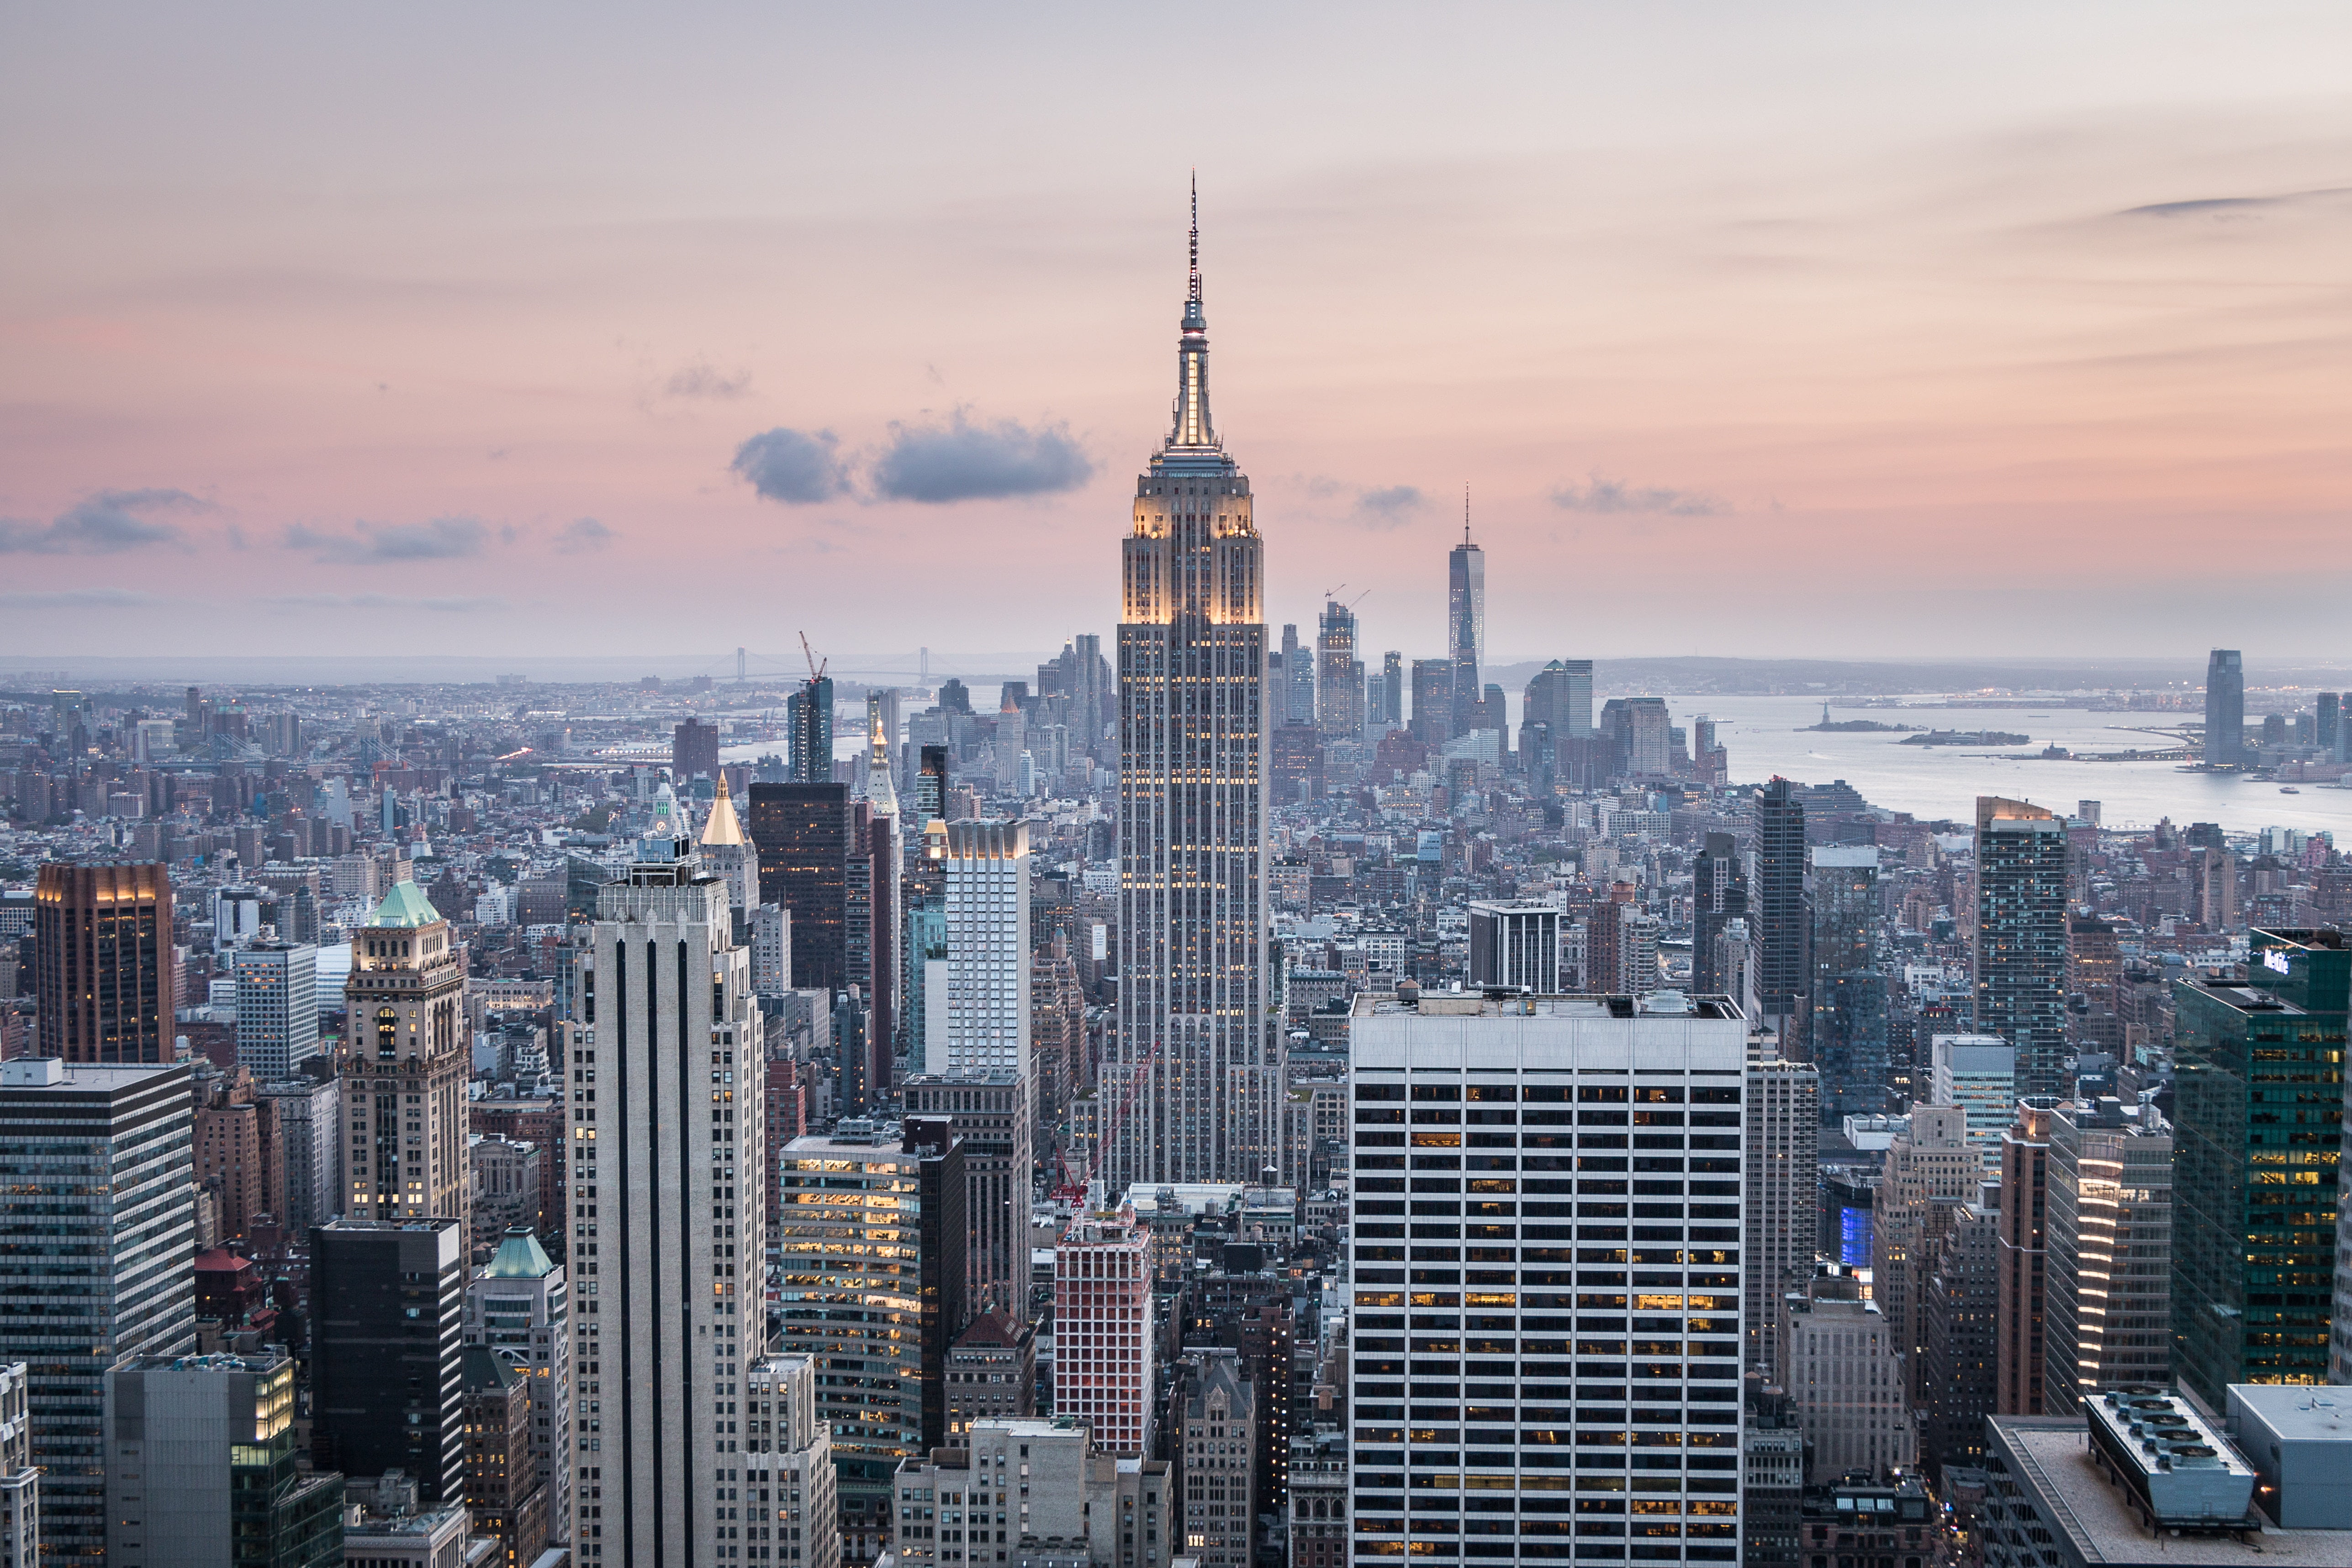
(702, 379)
(446, 605)
(2233, 206)
(582, 535)
(1616, 495)
(107, 523)
(792, 466)
(442, 538)
(76, 598)
(1390, 506)
(963, 461)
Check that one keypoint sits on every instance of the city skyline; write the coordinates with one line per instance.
(1666, 324)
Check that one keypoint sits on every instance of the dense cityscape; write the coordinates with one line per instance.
(1230, 1095)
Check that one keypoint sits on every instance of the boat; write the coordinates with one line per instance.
(2289, 789)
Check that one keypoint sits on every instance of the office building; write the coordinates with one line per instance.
(2019, 956)
(1297, 680)
(307, 1112)
(2298, 1445)
(1782, 1171)
(387, 1307)
(277, 1006)
(1219, 1410)
(1498, 1108)
(729, 854)
(2024, 1242)
(1772, 1479)
(2225, 709)
(504, 1488)
(1929, 1164)
(1977, 1073)
(519, 1308)
(1466, 626)
(20, 1479)
(202, 1470)
(1200, 1076)
(1718, 895)
(102, 970)
(1638, 734)
(1433, 702)
(788, 1468)
(2107, 1320)
(991, 1372)
(1104, 1338)
(1845, 1002)
(801, 834)
(1514, 942)
(1846, 1377)
(693, 750)
(405, 1070)
(873, 1291)
(994, 1116)
(1338, 676)
(110, 1254)
(1959, 1360)
(808, 713)
(1388, 712)
(1776, 907)
(771, 950)
(931, 792)
(668, 1058)
(976, 1002)
(1037, 1490)
(2257, 1107)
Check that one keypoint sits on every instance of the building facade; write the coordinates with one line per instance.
(1105, 1348)
(1782, 1161)
(405, 1071)
(518, 1308)
(1776, 907)
(1514, 942)
(2108, 1292)
(2019, 953)
(976, 1006)
(387, 1307)
(103, 968)
(801, 834)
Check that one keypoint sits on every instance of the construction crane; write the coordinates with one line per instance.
(816, 668)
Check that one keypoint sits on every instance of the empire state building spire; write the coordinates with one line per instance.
(1192, 427)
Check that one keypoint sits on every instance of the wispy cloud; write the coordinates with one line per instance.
(1600, 495)
(457, 605)
(106, 523)
(1389, 507)
(76, 598)
(582, 535)
(376, 544)
(794, 466)
(2226, 207)
(966, 461)
(701, 379)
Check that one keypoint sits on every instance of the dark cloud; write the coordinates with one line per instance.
(375, 544)
(107, 523)
(1390, 506)
(792, 466)
(963, 461)
(2233, 206)
(703, 380)
(1616, 495)
(76, 598)
(582, 535)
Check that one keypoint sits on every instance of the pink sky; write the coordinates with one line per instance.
(1808, 329)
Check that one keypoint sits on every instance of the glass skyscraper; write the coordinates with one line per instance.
(2020, 946)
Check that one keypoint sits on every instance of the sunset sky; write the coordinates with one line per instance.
(1755, 329)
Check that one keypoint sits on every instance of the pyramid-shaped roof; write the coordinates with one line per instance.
(406, 904)
(521, 1257)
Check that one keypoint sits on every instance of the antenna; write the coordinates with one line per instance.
(1465, 512)
(1196, 234)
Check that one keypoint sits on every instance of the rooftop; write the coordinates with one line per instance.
(405, 906)
(2054, 1453)
(1467, 1004)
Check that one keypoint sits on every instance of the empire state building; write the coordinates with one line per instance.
(1196, 1092)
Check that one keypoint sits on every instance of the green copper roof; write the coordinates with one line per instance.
(521, 1257)
(406, 904)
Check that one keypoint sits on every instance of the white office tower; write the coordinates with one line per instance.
(1977, 1073)
(1194, 1086)
(519, 1309)
(667, 1215)
(788, 1481)
(276, 1007)
(1546, 1327)
(976, 999)
(771, 949)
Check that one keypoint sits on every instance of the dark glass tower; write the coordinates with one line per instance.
(102, 963)
(1466, 624)
(1719, 893)
(2225, 709)
(387, 1306)
(801, 832)
(1775, 904)
(809, 714)
(2020, 946)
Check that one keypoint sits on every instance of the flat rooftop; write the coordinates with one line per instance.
(2056, 1453)
(1471, 1004)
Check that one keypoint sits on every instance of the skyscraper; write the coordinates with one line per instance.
(1297, 679)
(809, 714)
(1515, 941)
(520, 1310)
(1466, 624)
(102, 1266)
(672, 1206)
(405, 1071)
(1433, 702)
(1930, 1164)
(1195, 1079)
(976, 1011)
(1783, 1174)
(729, 853)
(387, 1306)
(802, 832)
(1391, 711)
(1103, 1338)
(2022, 1236)
(2020, 957)
(102, 963)
(1718, 893)
(2108, 1296)
(1775, 907)
(1845, 1003)
(693, 750)
(276, 1007)
(2225, 709)
(1339, 674)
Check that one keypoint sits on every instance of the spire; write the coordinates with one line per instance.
(1192, 427)
(1465, 514)
(722, 826)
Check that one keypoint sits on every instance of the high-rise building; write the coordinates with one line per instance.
(1958, 1361)
(505, 1491)
(103, 975)
(1846, 1001)
(20, 1479)
(2326, 716)
(1718, 893)
(2020, 957)
(2024, 1242)
(202, 1470)
(1845, 1375)
(1104, 1337)
(693, 750)
(1977, 1073)
(729, 854)
(976, 1006)
(1387, 713)
(277, 1006)
(1466, 624)
(1515, 941)
(1297, 679)
(405, 1071)
(387, 1303)
(1929, 1164)
(1339, 674)
(520, 1310)
(1219, 1411)
(808, 713)
(2107, 1318)
(1776, 907)
(107, 1254)
(993, 1111)
(307, 1112)
(1783, 1174)
(1433, 702)
(1199, 1070)
(1491, 1103)
(2258, 1095)
(1561, 698)
(668, 1058)
(869, 1304)
(1639, 735)
(2225, 709)
(790, 1469)
(801, 834)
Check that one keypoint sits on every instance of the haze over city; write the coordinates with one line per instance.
(1817, 331)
